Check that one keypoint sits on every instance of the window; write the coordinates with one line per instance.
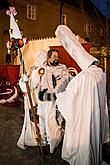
(63, 19)
(31, 12)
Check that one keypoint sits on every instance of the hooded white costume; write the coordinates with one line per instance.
(46, 109)
(28, 134)
(83, 105)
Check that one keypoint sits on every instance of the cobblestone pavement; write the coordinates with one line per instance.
(10, 153)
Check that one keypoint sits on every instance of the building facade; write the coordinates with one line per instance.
(39, 19)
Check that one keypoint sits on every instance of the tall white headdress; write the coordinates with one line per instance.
(74, 47)
(14, 29)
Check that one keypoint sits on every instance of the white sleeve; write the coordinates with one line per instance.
(64, 99)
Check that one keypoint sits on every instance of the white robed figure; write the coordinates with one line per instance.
(28, 133)
(41, 79)
(83, 105)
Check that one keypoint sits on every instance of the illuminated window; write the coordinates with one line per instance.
(63, 19)
(31, 12)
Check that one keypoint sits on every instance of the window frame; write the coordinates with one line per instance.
(31, 13)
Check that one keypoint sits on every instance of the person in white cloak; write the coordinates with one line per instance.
(45, 77)
(83, 105)
(28, 133)
(48, 78)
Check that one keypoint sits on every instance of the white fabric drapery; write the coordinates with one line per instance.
(84, 108)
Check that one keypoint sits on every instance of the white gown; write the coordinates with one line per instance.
(84, 107)
(46, 109)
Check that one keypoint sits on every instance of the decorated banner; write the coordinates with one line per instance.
(9, 76)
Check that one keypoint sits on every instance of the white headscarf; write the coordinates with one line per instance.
(73, 47)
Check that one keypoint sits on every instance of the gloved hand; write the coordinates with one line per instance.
(41, 94)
